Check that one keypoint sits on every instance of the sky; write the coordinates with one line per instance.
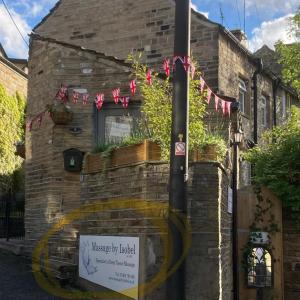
(266, 21)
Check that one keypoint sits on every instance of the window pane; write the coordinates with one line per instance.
(117, 128)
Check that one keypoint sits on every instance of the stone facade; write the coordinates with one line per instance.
(12, 78)
(50, 191)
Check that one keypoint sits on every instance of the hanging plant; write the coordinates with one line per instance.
(60, 113)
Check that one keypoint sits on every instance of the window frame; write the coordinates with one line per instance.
(111, 109)
(242, 90)
(264, 107)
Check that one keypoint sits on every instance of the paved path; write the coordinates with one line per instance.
(17, 281)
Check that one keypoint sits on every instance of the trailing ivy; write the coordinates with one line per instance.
(276, 163)
(11, 132)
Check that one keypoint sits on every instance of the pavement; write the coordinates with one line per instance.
(17, 281)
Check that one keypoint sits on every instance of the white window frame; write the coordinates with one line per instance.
(263, 109)
(243, 92)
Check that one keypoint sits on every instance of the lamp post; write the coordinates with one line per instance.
(179, 145)
(235, 250)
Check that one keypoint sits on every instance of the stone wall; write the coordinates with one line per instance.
(208, 266)
(50, 191)
(12, 78)
(119, 27)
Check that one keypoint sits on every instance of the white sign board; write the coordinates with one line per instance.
(111, 261)
(229, 208)
(120, 129)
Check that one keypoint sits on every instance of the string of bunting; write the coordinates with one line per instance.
(63, 95)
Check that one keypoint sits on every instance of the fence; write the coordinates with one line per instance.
(11, 217)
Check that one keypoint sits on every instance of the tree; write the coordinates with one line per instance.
(11, 132)
(290, 55)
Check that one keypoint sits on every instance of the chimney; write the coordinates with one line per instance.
(241, 36)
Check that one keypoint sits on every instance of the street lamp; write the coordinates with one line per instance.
(238, 136)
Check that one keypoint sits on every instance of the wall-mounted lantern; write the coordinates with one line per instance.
(73, 160)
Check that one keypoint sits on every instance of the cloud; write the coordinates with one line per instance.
(195, 8)
(270, 32)
(10, 38)
(272, 7)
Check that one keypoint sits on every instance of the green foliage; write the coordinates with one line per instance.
(11, 131)
(218, 141)
(277, 162)
(157, 108)
(290, 55)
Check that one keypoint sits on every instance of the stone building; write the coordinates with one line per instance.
(13, 73)
(77, 45)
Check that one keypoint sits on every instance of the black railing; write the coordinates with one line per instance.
(11, 217)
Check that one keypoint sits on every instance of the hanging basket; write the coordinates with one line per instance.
(61, 117)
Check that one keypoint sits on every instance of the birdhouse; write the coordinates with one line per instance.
(73, 160)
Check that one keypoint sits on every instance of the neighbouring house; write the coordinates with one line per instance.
(84, 46)
(13, 73)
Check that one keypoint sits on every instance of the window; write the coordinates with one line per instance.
(260, 268)
(283, 105)
(114, 123)
(242, 94)
(263, 111)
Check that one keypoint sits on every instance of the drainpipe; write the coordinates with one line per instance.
(254, 87)
(275, 86)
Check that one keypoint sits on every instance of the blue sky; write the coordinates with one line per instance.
(266, 20)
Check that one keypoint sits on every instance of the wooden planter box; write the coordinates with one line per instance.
(136, 153)
(95, 162)
(208, 153)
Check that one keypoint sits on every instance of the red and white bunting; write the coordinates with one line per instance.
(132, 87)
(217, 99)
(29, 125)
(62, 93)
(167, 67)
(209, 94)
(149, 77)
(99, 101)
(85, 99)
(186, 63)
(75, 97)
(202, 84)
(223, 105)
(228, 107)
(125, 101)
(116, 95)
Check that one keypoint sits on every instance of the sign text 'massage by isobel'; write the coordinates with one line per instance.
(111, 261)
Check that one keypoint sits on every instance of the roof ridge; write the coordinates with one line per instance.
(36, 36)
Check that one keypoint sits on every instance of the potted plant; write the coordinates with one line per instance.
(60, 113)
(211, 148)
(135, 149)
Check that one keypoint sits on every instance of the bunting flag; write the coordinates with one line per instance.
(193, 70)
(209, 93)
(29, 125)
(175, 58)
(202, 84)
(167, 67)
(75, 97)
(149, 77)
(228, 107)
(125, 101)
(116, 95)
(186, 63)
(132, 87)
(62, 94)
(85, 99)
(99, 101)
(217, 99)
(223, 105)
